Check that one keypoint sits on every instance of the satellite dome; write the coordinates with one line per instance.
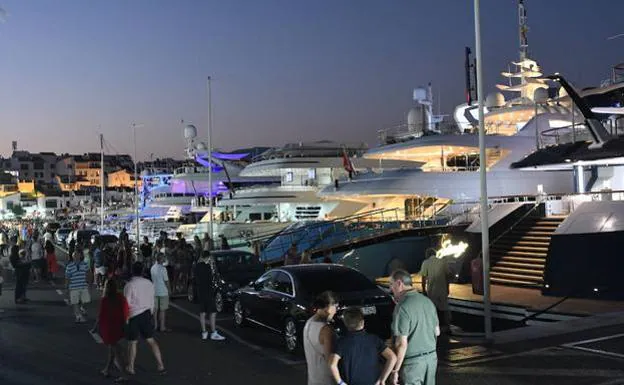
(494, 100)
(190, 131)
(200, 146)
(540, 95)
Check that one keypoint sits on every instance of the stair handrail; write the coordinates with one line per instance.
(538, 202)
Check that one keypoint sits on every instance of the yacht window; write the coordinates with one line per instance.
(312, 173)
(255, 216)
(289, 177)
(268, 216)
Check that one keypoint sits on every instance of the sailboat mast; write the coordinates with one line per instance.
(102, 181)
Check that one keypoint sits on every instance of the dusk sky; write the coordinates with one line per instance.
(283, 70)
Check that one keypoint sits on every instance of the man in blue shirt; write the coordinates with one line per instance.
(77, 285)
(98, 264)
(358, 354)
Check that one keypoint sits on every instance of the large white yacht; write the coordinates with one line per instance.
(446, 162)
(303, 169)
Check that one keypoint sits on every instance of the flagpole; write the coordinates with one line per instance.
(210, 209)
(485, 228)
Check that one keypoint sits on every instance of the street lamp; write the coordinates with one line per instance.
(136, 185)
(485, 228)
(210, 208)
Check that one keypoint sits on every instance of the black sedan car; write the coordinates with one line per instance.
(232, 269)
(281, 300)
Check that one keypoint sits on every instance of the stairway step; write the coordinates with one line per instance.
(522, 243)
(509, 247)
(521, 265)
(520, 277)
(514, 270)
(536, 228)
(510, 258)
(544, 234)
(515, 283)
(527, 254)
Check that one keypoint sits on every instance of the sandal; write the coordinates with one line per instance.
(162, 371)
(105, 373)
(130, 372)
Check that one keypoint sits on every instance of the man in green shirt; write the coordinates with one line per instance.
(415, 329)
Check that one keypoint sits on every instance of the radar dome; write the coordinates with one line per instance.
(190, 131)
(200, 146)
(495, 100)
(540, 95)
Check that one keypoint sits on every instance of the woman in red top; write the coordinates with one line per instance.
(53, 266)
(112, 317)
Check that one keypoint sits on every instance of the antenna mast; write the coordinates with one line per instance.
(522, 30)
(102, 182)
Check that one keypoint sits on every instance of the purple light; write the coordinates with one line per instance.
(206, 163)
(224, 156)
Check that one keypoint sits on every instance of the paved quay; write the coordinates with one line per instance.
(40, 344)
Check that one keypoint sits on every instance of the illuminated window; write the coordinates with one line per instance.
(289, 177)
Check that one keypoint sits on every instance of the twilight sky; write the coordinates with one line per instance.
(283, 70)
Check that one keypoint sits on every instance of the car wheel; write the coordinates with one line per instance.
(291, 335)
(219, 305)
(239, 314)
(190, 293)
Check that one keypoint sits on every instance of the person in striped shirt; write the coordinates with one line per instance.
(77, 285)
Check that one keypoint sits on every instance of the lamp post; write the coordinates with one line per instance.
(485, 228)
(210, 208)
(136, 185)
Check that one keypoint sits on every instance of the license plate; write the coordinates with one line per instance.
(369, 310)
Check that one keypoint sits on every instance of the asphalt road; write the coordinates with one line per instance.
(40, 344)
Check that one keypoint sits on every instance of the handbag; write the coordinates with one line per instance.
(95, 334)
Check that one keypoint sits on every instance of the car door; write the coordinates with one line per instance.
(257, 297)
(278, 300)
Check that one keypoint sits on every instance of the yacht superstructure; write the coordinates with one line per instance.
(446, 164)
(303, 169)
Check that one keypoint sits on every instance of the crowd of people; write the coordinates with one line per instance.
(29, 251)
(135, 288)
(135, 297)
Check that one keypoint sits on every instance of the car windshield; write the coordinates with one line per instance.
(338, 281)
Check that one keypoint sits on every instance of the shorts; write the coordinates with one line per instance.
(77, 296)
(40, 263)
(140, 325)
(207, 304)
(161, 303)
(102, 270)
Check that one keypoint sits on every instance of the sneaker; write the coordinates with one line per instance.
(204, 335)
(215, 336)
